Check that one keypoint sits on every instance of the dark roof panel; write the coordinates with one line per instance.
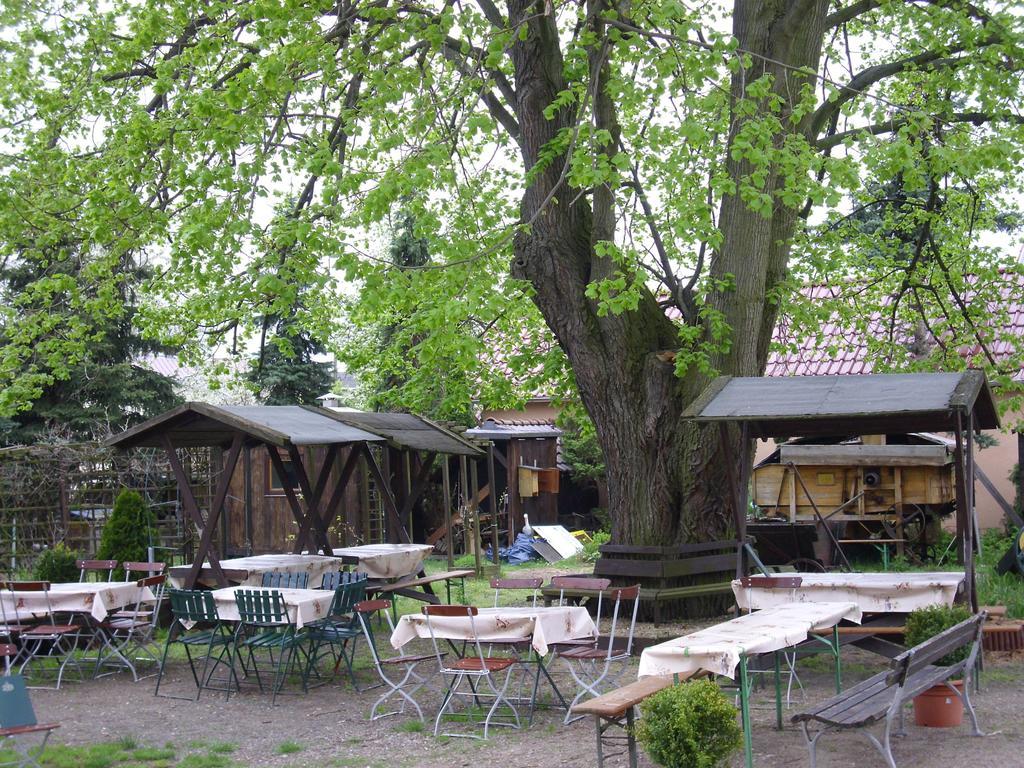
(866, 404)
(406, 430)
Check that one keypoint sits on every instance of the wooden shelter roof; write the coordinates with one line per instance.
(406, 430)
(828, 405)
(202, 424)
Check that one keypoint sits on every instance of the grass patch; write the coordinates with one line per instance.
(223, 748)
(200, 760)
(410, 726)
(289, 748)
(151, 754)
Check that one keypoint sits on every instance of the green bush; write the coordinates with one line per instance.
(592, 548)
(689, 726)
(129, 531)
(925, 623)
(56, 565)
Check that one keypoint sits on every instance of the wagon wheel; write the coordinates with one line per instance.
(915, 530)
(807, 565)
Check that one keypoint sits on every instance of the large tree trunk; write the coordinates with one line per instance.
(667, 480)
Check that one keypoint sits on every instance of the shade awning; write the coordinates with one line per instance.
(827, 405)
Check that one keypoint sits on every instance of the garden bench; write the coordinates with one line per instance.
(419, 588)
(616, 708)
(882, 697)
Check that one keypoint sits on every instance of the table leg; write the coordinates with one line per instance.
(748, 750)
(778, 693)
(630, 739)
(835, 650)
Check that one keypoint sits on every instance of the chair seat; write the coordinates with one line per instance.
(125, 623)
(587, 653)
(45, 630)
(133, 614)
(14, 629)
(474, 664)
(18, 730)
(205, 638)
(410, 659)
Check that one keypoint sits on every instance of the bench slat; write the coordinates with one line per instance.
(615, 703)
(422, 580)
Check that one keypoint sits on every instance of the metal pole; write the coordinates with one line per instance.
(493, 486)
(474, 487)
(446, 490)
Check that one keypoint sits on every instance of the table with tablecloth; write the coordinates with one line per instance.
(872, 592)
(304, 606)
(255, 566)
(387, 561)
(723, 649)
(96, 599)
(543, 627)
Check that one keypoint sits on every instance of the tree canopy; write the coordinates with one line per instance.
(625, 158)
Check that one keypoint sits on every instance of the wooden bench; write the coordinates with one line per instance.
(616, 708)
(882, 697)
(419, 587)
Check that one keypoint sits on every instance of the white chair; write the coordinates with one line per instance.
(594, 668)
(474, 670)
(389, 668)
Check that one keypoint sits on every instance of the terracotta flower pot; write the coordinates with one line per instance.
(939, 707)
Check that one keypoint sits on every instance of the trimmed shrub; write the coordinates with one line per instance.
(925, 623)
(692, 725)
(56, 565)
(129, 531)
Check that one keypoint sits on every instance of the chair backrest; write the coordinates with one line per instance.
(30, 586)
(346, 595)
(364, 611)
(150, 569)
(193, 605)
(261, 606)
(96, 568)
(333, 579)
(15, 705)
(453, 611)
(516, 584)
(156, 585)
(623, 595)
(297, 580)
(569, 583)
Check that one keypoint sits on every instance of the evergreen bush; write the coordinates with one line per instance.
(56, 565)
(692, 725)
(925, 623)
(129, 531)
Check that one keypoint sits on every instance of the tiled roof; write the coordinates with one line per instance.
(838, 349)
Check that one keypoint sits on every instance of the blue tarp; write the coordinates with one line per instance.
(521, 551)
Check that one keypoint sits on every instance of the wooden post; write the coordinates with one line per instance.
(964, 533)
(247, 498)
(446, 490)
(407, 499)
(364, 498)
(492, 484)
(474, 488)
(734, 486)
(1020, 471)
(464, 503)
(385, 488)
(515, 504)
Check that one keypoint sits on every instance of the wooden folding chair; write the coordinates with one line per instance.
(130, 639)
(47, 639)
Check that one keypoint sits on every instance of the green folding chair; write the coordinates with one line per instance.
(198, 627)
(339, 631)
(265, 626)
(19, 728)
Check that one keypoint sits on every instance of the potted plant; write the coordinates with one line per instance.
(938, 707)
(692, 725)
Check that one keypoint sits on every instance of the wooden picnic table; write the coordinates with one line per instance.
(248, 571)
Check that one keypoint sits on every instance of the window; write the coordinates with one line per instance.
(275, 486)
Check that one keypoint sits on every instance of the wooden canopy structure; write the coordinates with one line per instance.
(286, 429)
(801, 406)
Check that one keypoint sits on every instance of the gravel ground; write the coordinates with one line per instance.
(331, 727)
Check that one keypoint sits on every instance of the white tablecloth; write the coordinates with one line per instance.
(315, 565)
(718, 649)
(872, 592)
(304, 605)
(96, 599)
(542, 626)
(387, 561)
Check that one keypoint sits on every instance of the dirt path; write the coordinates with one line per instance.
(331, 728)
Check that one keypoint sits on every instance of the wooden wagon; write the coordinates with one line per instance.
(872, 490)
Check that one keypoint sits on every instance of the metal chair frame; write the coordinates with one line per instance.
(264, 625)
(59, 640)
(95, 567)
(192, 607)
(411, 681)
(134, 633)
(340, 627)
(18, 719)
(471, 670)
(591, 667)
